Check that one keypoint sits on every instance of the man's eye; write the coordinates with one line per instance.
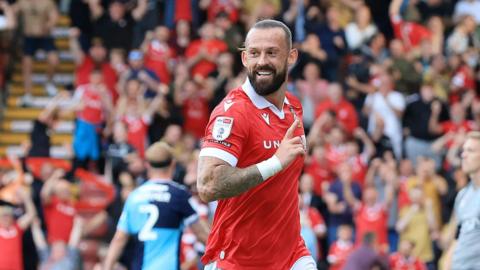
(272, 53)
(253, 54)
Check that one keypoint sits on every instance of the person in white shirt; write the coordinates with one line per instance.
(361, 30)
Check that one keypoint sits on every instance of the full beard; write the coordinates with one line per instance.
(263, 87)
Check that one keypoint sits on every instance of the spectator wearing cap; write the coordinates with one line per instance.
(86, 63)
(38, 17)
(11, 232)
(137, 70)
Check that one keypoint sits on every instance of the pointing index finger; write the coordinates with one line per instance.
(291, 129)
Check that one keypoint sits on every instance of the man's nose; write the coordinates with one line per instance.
(262, 59)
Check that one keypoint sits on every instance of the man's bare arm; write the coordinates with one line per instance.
(218, 180)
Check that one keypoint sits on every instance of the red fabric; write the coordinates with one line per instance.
(137, 130)
(359, 169)
(315, 218)
(449, 126)
(398, 262)
(187, 250)
(11, 256)
(59, 220)
(372, 219)
(157, 58)
(259, 229)
(82, 75)
(321, 173)
(213, 47)
(183, 10)
(335, 155)
(92, 111)
(345, 112)
(195, 114)
(412, 34)
(217, 6)
(339, 253)
(403, 197)
(463, 80)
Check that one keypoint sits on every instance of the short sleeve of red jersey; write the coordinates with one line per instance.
(226, 132)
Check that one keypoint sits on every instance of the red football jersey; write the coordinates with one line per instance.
(59, 220)
(412, 34)
(137, 127)
(11, 257)
(338, 254)
(398, 262)
(259, 229)
(92, 111)
(372, 219)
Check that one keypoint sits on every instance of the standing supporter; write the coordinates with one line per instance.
(58, 208)
(251, 153)
(360, 31)
(406, 76)
(194, 99)
(417, 224)
(317, 166)
(38, 19)
(93, 105)
(309, 197)
(137, 70)
(119, 153)
(39, 145)
(220, 79)
(341, 248)
(410, 33)
(182, 37)
(115, 26)
(332, 38)
(155, 214)
(359, 160)
(460, 39)
(456, 124)
(11, 232)
(417, 113)
(434, 186)
(388, 106)
(146, 15)
(215, 7)
(96, 58)
(159, 56)
(201, 53)
(404, 260)
(341, 190)
(312, 90)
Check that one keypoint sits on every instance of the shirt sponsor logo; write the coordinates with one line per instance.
(226, 144)
(268, 144)
(222, 128)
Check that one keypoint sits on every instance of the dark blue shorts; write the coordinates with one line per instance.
(32, 44)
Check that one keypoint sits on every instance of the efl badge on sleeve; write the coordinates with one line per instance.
(222, 127)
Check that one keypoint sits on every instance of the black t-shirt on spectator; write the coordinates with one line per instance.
(116, 153)
(117, 34)
(40, 140)
(416, 117)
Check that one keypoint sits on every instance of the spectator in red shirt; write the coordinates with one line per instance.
(404, 259)
(58, 208)
(201, 54)
(371, 216)
(11, 233)
(214, 7)
(341, 248)
(346, 114)
(158, 53)
(317, 166)
(359, 161)
(95, 59)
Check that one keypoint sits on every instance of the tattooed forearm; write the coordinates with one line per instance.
(218, 180)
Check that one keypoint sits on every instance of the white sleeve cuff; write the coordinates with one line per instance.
(219, 153)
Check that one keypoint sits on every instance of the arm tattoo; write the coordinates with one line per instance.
(218, 180)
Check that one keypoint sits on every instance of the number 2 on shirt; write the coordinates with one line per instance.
(146, 233)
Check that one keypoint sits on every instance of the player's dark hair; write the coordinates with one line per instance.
(267, 24)
(161, 164)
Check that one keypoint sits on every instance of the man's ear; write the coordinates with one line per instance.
(244, 58)
(292, 57)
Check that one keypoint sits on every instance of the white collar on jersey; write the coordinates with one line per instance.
(261, 102)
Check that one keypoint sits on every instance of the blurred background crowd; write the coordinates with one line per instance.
(389, 90)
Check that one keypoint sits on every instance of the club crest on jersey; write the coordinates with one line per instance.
(266, 117)
(222, 128)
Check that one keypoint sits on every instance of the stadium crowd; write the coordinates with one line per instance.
(388, 88)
